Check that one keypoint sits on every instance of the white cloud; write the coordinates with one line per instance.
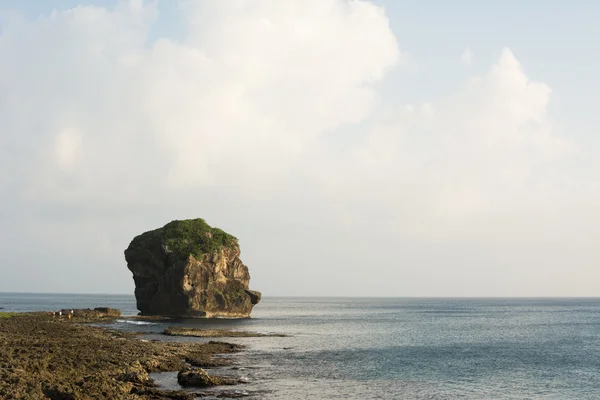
(466, 58)
(247, 73)
(470, 199)
(104, 133)
(69, 149)
(460, 157)
(96, 117)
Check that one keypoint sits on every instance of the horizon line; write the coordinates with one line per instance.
(343, 297)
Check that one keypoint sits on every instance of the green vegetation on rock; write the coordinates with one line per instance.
(4, 315)
(236, 296)
(187, 237)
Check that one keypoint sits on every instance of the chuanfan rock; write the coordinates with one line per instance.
(189, 269)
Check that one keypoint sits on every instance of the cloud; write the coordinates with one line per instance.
(96, 117)
(245, 74)
(265, 119)
(68, 150)
(466, 155)
(467, 195)
(466, 58)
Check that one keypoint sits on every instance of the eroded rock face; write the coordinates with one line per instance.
(188, 269)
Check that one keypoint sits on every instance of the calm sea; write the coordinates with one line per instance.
(358, 348)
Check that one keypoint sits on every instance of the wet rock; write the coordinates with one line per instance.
(159, 394)
(232, 395)
(196, 377)
(205, 362)
(108, 312)
(198, 332)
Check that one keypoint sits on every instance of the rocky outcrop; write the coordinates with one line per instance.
(197, 377)
(211, 333)
(135, 373)
(194, 377)
(189, 269)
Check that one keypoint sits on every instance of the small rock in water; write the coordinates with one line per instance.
(194, 377)
(197, 377)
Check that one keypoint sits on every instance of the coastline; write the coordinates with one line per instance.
(67, 358)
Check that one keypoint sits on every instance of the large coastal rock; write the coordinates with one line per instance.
(189, 269)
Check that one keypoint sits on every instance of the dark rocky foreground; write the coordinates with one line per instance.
(50, 357)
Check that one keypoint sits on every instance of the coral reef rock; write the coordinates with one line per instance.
(189, 269)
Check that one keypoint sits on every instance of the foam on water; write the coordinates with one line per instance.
(128, 321)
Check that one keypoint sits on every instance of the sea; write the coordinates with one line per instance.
(392, 348)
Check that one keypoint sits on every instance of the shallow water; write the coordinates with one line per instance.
(398, 348)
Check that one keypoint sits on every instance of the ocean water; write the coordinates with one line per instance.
(359, 348)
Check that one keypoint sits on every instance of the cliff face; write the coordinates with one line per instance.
(188, 269)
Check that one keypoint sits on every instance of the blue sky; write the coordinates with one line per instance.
(372, 144)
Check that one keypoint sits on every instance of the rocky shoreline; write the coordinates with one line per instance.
(62, 357)
(211, 333)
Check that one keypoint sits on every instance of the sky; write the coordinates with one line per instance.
(355, 148)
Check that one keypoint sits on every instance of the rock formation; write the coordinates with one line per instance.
(197, 377)
(189, 269)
